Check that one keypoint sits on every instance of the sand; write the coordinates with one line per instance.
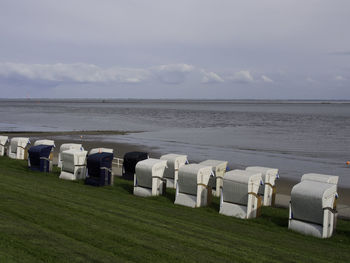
(89, 141)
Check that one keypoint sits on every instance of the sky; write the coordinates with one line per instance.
(212, 49)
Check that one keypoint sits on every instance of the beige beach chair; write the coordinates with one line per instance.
(219, 169)
(3, 143)
(18, 148)
(149, 177)
(192, 188)
(268, 190)
(174, 162)
(239, 196)
(312, 210)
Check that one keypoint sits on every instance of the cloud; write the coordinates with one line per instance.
(266, 79)
(172, 73)
(77, 73)
(243, 76)
(339, 78)
(211, 77)
(80, 73)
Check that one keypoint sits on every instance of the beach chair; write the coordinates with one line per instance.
(18, 148)
(219, 169)
(48, 143)
(239, 196)
(129, 163)
(148, 180)
(73, 164)
(99, 169)
(3, 142)
(192, 187)
(174, 162)
(66, 147)
(268, 190)
(312, 209)
(39, 158)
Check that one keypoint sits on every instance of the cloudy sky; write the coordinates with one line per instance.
(260, 49)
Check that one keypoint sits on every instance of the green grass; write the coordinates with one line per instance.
(44, 219)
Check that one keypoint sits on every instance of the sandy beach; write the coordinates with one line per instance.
(89, 141)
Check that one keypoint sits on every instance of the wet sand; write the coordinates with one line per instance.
(89, 141)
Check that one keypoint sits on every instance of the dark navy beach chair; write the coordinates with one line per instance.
(39, 157)
(129, 163)
(99, 169)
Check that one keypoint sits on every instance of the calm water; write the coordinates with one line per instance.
(296, 137)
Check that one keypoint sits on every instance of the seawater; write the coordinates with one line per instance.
(295, 136)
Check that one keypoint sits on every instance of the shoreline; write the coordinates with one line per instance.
(283, 185)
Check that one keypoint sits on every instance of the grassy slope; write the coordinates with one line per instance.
(46, 219)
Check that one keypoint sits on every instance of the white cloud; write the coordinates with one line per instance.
(211, 77)
(78, 72)
(242, 76)
(90, 73)
(266, 79)
(339, 78)
(172, 73)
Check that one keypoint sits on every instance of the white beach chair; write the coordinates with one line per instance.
(219, 169)
(148, 179)
(174, 162)
(18, 148)
(68, 146)
(3, 142)
(239, 196)
(268, 190)
(73, 164)
(192, 188)
(312, 210)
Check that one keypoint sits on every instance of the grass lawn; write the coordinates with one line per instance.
(45, 219)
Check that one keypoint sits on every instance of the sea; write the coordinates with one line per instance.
(295, 136)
